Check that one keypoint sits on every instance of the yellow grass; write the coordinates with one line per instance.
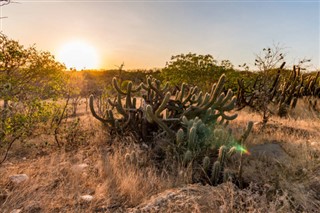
(56, 183)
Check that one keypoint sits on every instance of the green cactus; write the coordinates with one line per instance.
(194, 121)
(187, 157)
(242, 143)
(151, 117)
(206, 163)
(222, 154)
(180, 136)
(215, 174)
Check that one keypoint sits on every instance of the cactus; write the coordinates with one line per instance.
(222, 154)
(206, 163)
(187, 157)
(180, 136)
(215, 175)
(242, 143)
(194, 122)
(278, 90)
(151, 117)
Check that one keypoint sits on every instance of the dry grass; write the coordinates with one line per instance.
(56, 182)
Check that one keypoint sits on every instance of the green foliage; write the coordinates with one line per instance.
(190, 68)
(28, 72)
(27, 77)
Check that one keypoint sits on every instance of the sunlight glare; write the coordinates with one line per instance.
(79, 55)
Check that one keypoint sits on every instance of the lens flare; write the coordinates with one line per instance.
(241, 149)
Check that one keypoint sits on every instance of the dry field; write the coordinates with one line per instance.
(282, 174)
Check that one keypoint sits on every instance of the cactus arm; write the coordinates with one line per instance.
(181, 93)
(229, 117)
(165, 88)
(205, 100)
(218, 89)
(91, 105)
(113, 104)
(190, 95)
(128, 96)
(230, 105)
(242, 141)
(153, 88)
(116, 86)
(216, 168)
(227, 97)
(137, 89)
(163, 104)
(180, 136)
(120, 108)
(152, 117)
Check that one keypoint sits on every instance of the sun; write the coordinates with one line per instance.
(79, 55)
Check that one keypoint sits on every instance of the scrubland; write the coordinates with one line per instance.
(282, 179)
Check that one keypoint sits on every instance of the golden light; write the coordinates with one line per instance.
(79, 55)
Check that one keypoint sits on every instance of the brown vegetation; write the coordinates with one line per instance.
(58, 178)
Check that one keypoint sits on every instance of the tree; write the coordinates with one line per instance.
(3, 3)
(226, 64)
(270, 58)
(273, 91)
(27, 73)
(190, 68)
(27, 77)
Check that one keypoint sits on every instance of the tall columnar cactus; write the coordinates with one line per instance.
(242, 145)
(278, 90)
(194, 121)
(159, 110)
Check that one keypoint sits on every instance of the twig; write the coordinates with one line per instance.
(9, 147)
(59, 121)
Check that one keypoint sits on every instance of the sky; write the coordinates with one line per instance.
(145, 34)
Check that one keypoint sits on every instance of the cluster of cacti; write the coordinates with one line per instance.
(209, 146)
(277, 90)
(312, 91)
(160, 110)
(287, 93)
(194, 122)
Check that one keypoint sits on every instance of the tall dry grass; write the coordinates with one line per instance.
(57, 181)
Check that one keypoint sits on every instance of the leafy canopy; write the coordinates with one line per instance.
(189, 68)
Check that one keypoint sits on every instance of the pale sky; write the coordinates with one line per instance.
(145, 34)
